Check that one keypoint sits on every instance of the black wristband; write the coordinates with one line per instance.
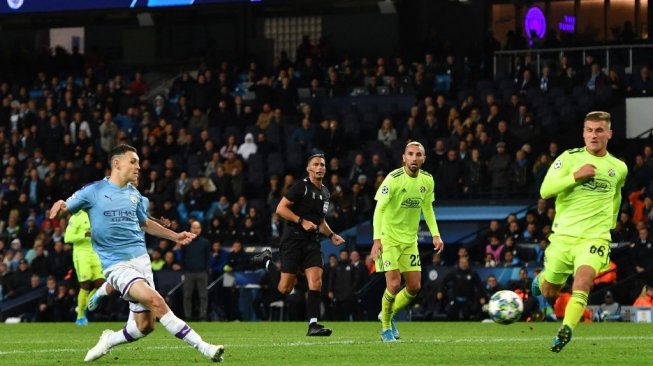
(331, 235)
(300, 220)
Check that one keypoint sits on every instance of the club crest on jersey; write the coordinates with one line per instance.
(385, 190)
(422, 189)
(133, 198)
(611, 172)
(557, 164)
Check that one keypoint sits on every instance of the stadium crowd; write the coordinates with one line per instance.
(228, 140)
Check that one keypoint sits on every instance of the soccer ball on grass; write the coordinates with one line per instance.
(505, 307)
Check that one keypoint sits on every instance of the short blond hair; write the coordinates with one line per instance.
(599, 116)
(415, 143)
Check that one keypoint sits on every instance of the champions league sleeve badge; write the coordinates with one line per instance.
(385, 190)
(557, 164)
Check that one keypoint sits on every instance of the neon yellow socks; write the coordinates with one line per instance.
(575, 308)
(387, 302)
(402, 300)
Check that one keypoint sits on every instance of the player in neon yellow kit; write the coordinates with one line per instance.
(87, 264)
(403, 196)
(587, 184)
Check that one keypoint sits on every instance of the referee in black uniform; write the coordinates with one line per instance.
(304, 207)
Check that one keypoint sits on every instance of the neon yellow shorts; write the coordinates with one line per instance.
(88, 267)
(402, 257)
(565, 254)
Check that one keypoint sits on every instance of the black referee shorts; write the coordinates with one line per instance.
(299, 254)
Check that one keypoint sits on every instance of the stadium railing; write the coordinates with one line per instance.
(627, 56)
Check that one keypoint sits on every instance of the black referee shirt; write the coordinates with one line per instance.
(309, 203)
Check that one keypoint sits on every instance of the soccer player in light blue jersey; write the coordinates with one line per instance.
(118, 218)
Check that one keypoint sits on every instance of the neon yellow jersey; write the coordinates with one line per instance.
(76, 230)
(400, 201)
(585, 209)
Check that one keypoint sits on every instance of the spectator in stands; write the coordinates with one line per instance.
(303, 135)
(640, 204)
(540, 167)
(387, 133)
(247, 148)
(59, 261)
(641, 251)
(171, 263)
(526, 82)
(50, 305)
(522, 287)
(108, 133)
(609, 310)
(645, 298)
(232, 163)
(449, 176)
(157, 261)
(199, 121)
(342, 280)
(616, 84)
(492, 286)
(648, 156)
(641, 173)
(5, 279)
(494, 248)
(498, 168)
(474, 173)
(250, 234)
(463, 287)
(628, 232)
(21, 282)
(519, 174)
(195, 263)
(508, 259)
(596, 79)
(642, 84)
(547, 80)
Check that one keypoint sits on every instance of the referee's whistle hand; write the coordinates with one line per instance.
(337, 240)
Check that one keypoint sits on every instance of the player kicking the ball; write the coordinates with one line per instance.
(118, 218)
(587, 185)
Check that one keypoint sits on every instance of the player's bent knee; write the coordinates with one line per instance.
(393, 287)
(147, 327)
(158, 305)
(285, 290)
(315, 285)
(550, 293)
(414, 289)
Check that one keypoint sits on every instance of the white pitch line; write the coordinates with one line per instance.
(354, 342)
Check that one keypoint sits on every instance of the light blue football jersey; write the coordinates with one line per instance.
(116, 214)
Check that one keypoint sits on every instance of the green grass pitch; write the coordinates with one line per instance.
(285, 344)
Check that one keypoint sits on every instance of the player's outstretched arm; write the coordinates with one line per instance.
(153, 228)
(58, 209)
(166, 223)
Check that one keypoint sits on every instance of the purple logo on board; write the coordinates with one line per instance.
(534, 23)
